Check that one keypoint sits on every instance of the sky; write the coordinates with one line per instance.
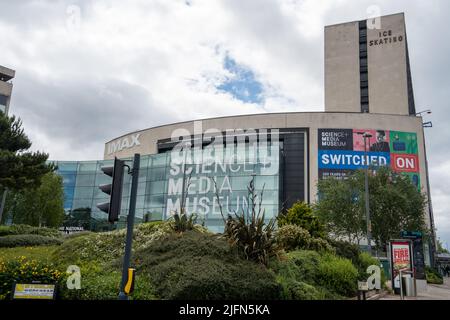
(89, 71)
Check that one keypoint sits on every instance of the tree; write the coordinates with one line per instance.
(340, 208)
(301, 214)
(18, 169)
(79, 217)
(42, 206)
(440, 247)
(395, 205)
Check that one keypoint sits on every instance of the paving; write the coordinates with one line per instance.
(433, 292)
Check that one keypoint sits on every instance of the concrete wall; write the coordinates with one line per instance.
(387, 67)
(6, 74)
(342, 85)
(388, 86)
(6, 89)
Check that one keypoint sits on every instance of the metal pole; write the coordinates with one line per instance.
(430, 205)
(366, 187)
(401, 285)
(130, 225)
(2, 205)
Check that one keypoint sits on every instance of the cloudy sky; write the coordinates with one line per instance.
(88, 71)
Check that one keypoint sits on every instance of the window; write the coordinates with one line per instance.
(364, 99)
(3, 101)
(364, 76)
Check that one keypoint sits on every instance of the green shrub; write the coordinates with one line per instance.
(299, 265)
(77, 234)
(98, 283)
(248, 232)
(198, 266)
(95, 283)
(24, 270)
(319, 244)
(346, 250)
(40, 253)
(26, 229)
(306, 262)
(182, 222)
(108, 246)
(301, 214)
(298, 272)
(364, 261)
(291, 237)
(143, 288)
(297, 290)
(337, 274)
(433, 276)
(27, 240)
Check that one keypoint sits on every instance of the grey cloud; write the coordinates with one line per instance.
(84, 111)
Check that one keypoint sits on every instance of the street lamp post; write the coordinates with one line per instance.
(366, 136)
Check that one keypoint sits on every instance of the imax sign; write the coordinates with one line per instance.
(124, 143)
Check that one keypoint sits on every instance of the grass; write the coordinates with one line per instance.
(41, 253)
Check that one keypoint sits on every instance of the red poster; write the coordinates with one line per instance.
(405, 162)
(401, 259)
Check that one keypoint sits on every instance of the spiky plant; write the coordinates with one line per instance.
(249, 233)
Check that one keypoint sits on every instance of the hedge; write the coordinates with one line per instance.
(337, 274)
(27, 240)
(332, 277)
(26, 229)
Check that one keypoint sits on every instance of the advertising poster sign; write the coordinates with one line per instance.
(401, 259)
(34, 291)
(342, 151)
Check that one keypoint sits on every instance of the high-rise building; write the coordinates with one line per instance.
(6, 75)
(367, 67)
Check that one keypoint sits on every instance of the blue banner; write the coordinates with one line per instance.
(351, 160)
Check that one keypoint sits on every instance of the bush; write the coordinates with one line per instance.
(297, 290)
(108, 246)
(98, 283)
(182, 222)
(198, 266)
(306, 262)
(291, 237)
(298, 265)
(27, 240)
(346, 250)
(301, 214)
(433, 276)
(337, 274)
(298, 272)
(249, 233)
(77, 234)
(319, 244)
(41, 253)
(24, 270)
(26, 229)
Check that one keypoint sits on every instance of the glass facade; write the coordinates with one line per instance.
(208, 179)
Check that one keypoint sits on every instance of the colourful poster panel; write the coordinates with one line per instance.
(342, 151)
